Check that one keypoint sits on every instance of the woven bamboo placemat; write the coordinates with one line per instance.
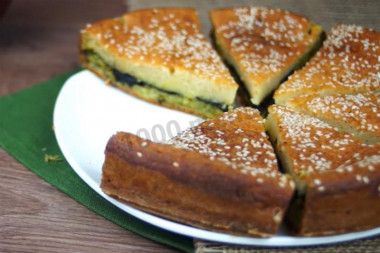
(359, 246)
(325, 12)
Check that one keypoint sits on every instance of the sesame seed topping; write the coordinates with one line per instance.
(139, 154)
(347, 63)
(359, 112)
(248, 151)
(144, 144)
(315, 147)
(167, 38)
(265, 41)
(175, 164)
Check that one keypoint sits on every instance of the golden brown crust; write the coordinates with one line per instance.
(349, 203)
(347, 63)
(153, 192)
(167, 37)
(358, 114)
(338, 174)
(126, 32)
(263, 44)
(194, 188)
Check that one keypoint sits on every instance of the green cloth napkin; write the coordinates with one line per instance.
(26, 133)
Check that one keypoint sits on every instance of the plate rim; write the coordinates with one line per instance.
(187, 230)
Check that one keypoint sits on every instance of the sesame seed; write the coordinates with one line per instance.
(321, 188)
(366, 180)
(277, 217)
(175, 164)
(139, 154)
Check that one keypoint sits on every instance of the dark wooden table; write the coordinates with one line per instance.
(38, 39)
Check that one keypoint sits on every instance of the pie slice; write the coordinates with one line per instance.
(263, 45)
(348, 62)
(220, 175)
(337, 176)
(160, 56)
(358, 114)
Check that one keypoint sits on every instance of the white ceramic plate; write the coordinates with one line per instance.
(87, 113)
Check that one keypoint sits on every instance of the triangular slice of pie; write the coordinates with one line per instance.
(263, 45)
(220, 175)
(337, 176)
(358, 114)
(348, 62)
(160, 56)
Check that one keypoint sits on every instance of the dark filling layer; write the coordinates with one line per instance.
(293, 215)
(131, 81)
